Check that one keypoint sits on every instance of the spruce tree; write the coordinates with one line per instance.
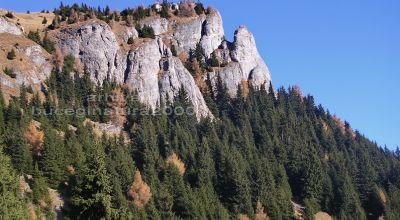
(91, 188)
(12, 205)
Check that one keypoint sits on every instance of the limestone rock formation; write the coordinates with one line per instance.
(246, 54)
(8, 27)
(31, 67)
(206, 30)
(148, 66)
(41, 68)
(231, 75)
(212, 33)
(187, 33)
(175, 76)
(159, 25)
(241, 61)
(155, 75)
(130, 32)
(142, 72)
(97, 48)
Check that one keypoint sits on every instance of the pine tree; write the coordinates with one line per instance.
(17, 148)
(12, 206)
(44, 20)
(53, 160)
(91, 189)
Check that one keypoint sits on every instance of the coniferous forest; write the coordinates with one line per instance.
(263, 151)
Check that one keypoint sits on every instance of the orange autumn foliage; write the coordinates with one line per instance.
(32, 212)
(260, 215)
(139, 192)
(298, 91)
(117, 105)
(198, 75)
(243, 217)
(244, 86)
(175, 161)
(35, 138)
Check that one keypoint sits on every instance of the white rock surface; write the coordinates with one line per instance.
(8, 27)
(97, 48)
(174, 77)
(187, 34)
(41, 68)
(155, 75)
(142, 72)
(231, 75)
(213, 33)
(223, 53)
(159, 25)
(130, 32)
(246, 54)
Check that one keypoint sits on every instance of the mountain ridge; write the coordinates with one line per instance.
(103, 50)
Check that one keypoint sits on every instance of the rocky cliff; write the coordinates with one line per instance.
(149, 66)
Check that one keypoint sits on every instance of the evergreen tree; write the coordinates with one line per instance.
(91, 191)
(12, 206)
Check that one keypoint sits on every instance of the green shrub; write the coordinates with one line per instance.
(11, 55)
(34, 36)
(9, 15)
(173, 50)
(164, 9)
(145, 32)
(9, 72)
(214, 60)
(130, 40)
(199, 8)
(47, 44)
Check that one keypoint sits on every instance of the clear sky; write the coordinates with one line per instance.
(346, 53)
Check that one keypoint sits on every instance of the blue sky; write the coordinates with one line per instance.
(345, 53)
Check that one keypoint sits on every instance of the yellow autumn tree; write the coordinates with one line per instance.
(35, 138)
(260, 215)
(139, 192)
(175, 161)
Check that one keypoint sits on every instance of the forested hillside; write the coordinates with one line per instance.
(262, 150)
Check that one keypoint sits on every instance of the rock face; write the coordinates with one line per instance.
(187, 34)
(130, 32)
(40, 68)
(148, 66)
(142, 72)
(97, 48)
(206, 30)
(246, 54)
(34, 70)
(174, 77)
(155, 75)
(8, 27)
(213, 33)
(241, 61)
(231, 75)
(159, 25)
